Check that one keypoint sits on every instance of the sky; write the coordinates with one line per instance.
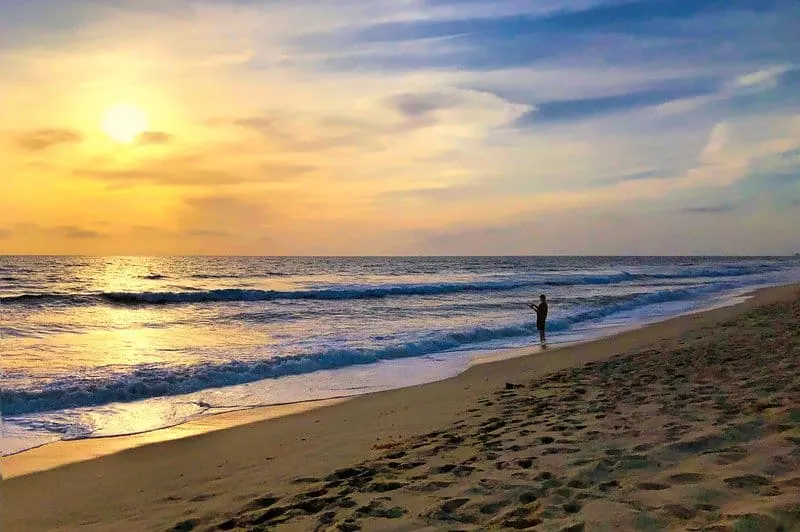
(400, 127)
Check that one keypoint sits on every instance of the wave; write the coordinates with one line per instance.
(653, 298)
(154, 381)
(716, 272)
(351, 291)
(419, 289)
(354, 292)
(25, 298)
(154, 277)
(570, 280)
(235, 276)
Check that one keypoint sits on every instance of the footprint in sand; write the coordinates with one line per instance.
(349, 525)
(306, 480)
(525, 463)
(189, 524)
(609, 486)
(376, 509)
(404, 466)
(230, 524)
(446, 468)
(448, 511)
(346, 502)
(311, 494)
(263, 502)
(428, 487)
(493, 508)
(579, 483)
(748, 482)
(686, 478)
(731, 455)
(652, 486)
(519, 519)
(384, 486)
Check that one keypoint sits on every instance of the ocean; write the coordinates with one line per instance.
(102, 346)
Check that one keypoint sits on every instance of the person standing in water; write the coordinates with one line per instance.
(541, 317)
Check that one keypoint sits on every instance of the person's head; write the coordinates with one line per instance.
(542, 297)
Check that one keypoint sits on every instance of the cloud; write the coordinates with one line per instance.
(438, 193)
(205, 219)
(5, 233)
(599, 17)
(454, 240)
(387, 121)
(602, 32)
(176, 177)
(633, 176)
(343, 122)
(149, 230)
(71, 231)
(775, 172)
(214, 233)
(420, 104)
(153, 138)
(311, 133)
(718, 140)
(584, 108)
(224, 213)
(637, 176)
(47, 138)
(710, 209)
(61, 231)
(763, 79)
(197, 171)
(233, 58)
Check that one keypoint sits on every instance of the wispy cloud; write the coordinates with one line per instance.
(415, 105)
(325, 127)
(195, 170)
(153, 138)
(213, 233)
(763, 79)
(172, 178)
(71, 231)
(709, 209)
(47, 138)
(583, 108)
(62, 231)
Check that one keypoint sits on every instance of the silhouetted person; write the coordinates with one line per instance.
(541, 317)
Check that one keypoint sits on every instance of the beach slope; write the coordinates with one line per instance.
(690, 423)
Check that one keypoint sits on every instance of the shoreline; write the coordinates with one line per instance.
(14, 465)
(156, 485)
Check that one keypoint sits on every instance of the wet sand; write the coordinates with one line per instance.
(693, 423)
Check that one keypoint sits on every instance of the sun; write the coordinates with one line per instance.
(124, 122)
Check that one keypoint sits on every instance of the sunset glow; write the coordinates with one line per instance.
(388, 128)
(124, 123)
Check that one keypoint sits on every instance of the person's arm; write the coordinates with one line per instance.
(535, 307)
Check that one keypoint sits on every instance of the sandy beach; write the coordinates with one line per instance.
(689, 424)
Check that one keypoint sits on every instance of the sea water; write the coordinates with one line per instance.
(101, 346)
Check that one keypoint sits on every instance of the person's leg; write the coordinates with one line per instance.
(541, 336)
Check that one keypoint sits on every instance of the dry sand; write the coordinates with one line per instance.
(693, 423)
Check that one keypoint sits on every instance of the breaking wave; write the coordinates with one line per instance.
(154, 381)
